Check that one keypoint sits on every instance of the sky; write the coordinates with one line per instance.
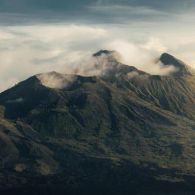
(44, 35)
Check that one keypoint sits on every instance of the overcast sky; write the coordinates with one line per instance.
(45, 35)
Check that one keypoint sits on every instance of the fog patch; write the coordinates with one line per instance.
(55, 80)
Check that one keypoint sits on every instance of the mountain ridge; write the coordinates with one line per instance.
(181, 67)
(124, 127)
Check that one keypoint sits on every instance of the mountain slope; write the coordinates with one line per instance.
(104, 129)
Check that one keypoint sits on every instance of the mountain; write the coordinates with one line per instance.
(123, 131)
(181, 67)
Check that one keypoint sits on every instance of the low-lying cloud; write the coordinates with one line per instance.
(55, 80)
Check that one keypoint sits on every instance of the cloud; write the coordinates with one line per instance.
(127, 9)
(7, 83)
(25, 51)
(60, 32)
(67, 48)
(14, 12)
(5, 35)
(155, 45)
(55, 80)
(143, 56)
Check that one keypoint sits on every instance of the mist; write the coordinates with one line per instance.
(55, 80)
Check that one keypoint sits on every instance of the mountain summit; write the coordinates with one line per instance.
(105, 134)
(181, 67)
(112, 60)
(103, 52)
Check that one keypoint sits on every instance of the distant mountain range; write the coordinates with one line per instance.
(121, 132)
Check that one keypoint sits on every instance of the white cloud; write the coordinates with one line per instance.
(55, 80)
(29, 50)
(155, 45)
(5, 35)
(60, 32)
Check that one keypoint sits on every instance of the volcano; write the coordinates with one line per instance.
(122, 132)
